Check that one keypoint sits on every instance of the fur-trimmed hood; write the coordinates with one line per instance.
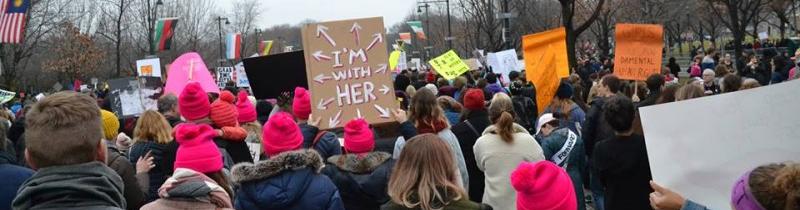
(355, 164)
(292, 160)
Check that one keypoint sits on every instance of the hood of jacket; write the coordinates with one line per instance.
(517, 129)
(364, 178)
(359, 165)
(56, 187)
(279, 181)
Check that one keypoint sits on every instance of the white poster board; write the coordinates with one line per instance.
(255, 151)
(224, 74)
(700, 147)
(416, 63)
(503, 62)
(402, 63)
(150, 67)
(240, 76)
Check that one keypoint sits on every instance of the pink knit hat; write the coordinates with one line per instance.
(196, 149)
(281, 134)
(301, 105)
(247, 112)
(223, 112)
(358, 137)
(193, 102)
(543, 185)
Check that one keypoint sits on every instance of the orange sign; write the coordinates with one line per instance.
(638, 51)
(546, 63)
(347, 71)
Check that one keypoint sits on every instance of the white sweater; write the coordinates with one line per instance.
(497, 159)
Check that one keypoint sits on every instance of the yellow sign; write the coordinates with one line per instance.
(394, 58)
(449, 65)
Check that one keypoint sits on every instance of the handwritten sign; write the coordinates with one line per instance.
(149, 67)
(536, 46)
(449, 65)
(241, 76)
(224, 75)
(348, 72)
(638, 51)
(503, 62)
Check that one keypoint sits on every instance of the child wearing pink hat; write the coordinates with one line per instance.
(248, 118)
(225, 116)
(361, 174)
(326, 143)
(543, 185)
(290, 178)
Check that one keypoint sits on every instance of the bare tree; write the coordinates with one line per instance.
(116, 13)
(781, 10)
(736, 16)
(244, 17)
(568, 15)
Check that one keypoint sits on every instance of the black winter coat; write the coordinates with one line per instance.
(595, 128)
(466, 138)
(362, 182)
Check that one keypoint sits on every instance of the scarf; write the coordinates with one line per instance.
(434, 128)
(186, 183)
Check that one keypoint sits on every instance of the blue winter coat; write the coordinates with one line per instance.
(158, 174)
(327, 146)
(576, 118)
(362, 181)
(13, 176)
(290, 180)
(575, 162)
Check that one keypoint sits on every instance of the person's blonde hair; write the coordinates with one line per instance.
(425, 167)
(501, 113)
(152, 126)
(411, 91)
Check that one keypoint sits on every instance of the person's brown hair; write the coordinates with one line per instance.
(731, 83)
(776, 186)
(612, 82)
(750, 83)
(668, 94)
(721, 71)
(425, 167)
(689, 91)
(152, 126)
(220, 179)
(501, 113)
(69, 120)
(424, 109)
(449, 103)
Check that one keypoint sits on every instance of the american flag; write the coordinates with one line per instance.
(12, 20)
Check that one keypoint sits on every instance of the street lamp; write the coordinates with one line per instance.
(219, 25)
(449, 37)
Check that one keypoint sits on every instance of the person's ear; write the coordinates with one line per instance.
(102, 152)
(30, 161)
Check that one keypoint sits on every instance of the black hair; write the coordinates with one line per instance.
(491, 78)
(612, 82)
(654, 82)
(619, 113)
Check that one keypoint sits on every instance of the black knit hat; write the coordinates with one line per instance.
(564, 90)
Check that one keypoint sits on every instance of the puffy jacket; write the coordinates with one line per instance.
(158, 174)
(466, 139)
(595, 128)
(134, 192)
(13, 177)
(362, 181)
(327, 146)
(575, 163)
(290, 180)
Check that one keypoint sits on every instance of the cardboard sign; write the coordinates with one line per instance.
(189, 67)
(449, 65)
(130, 97)
(536, 46)
(348, 71)
(473, 63)
(224, 75)
(704, 162)
(240, 76)
(503, 62)
(149, 67)
(638, 51)
(271, 75)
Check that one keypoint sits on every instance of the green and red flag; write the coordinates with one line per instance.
(165, 30)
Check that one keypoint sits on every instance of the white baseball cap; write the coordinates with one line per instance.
(544, 119)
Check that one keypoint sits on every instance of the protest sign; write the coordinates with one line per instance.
(189, 67)
(638, 51)
(240, 76)
(130, 97)
(6, 96)
(348, 71)
(704, 162)
(473, 63)
(150, 67)
(402, 62)
(394, 59)
(546, 81)
(449, 65)
(271, 75)
(503, 62)
(416, 63)
(255, 151)
(224, 75)
(536, 46)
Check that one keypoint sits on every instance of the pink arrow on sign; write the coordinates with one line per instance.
(355, 30)
(319, 56)
(323, 31)
(377, 38)
(334, 121)
(381, 69)
(384, 113)
(323, 104)
(321, 78)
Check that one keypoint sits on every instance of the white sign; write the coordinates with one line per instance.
(503, 62)
(763, 35)
(416, 63)
(402, 64)
(240, 76)
(703, 160)
(150, 67)
(224, 74)
(255, 151)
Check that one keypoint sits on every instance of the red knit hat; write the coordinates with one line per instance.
(193, 102)
(196, 148)
(247, 112)
(358, 137)
(301, 105)
(281, 134)
(223, 112)
(543, 185)
(474, 99)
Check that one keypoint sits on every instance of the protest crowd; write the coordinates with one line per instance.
(478, 138)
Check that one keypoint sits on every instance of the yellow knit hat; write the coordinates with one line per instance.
(110, 124)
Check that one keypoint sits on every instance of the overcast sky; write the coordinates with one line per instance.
(276, 12)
